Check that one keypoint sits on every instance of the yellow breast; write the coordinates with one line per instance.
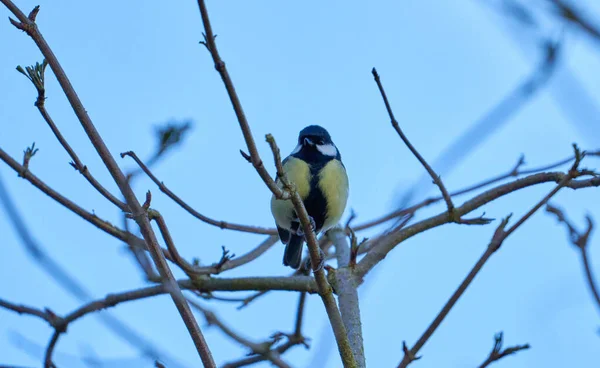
(298, 173)
(333, 182)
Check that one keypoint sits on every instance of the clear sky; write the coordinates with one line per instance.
(444, 64)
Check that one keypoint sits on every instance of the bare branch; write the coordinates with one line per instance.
(515, 171)
(566, 11)
(262, 349)
(298, 283)
(346, 287)
(580, 240)
(46, 314)
(36, 75)
(28, 154)
(31, 28)
(380, 246)
(436, 178)
(230, 263)
(220, 224)
(499, 236)
(254, 157)
(101, 224)
(164, 230)
(292, 339)
(69, 283)
(93, 219)
(498, 353)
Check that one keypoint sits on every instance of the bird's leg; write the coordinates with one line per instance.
(321, 261)
(300, 230)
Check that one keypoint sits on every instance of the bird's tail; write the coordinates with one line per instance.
(293, 252)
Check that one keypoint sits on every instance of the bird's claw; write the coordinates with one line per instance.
(300, 230)
(321, 262)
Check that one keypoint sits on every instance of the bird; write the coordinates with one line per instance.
(316, 170)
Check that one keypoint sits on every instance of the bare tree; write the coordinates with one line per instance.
(337, 287)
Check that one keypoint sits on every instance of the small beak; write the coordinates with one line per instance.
(308, 142)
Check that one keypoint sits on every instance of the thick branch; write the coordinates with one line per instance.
(514, 172)
(346, 287)
(204, 284)
(384, 244)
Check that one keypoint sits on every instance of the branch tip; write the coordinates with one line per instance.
(498, 353)
(128, 153)
(17, 24)
(146, 204)
(246, 156)
(408, 354)
(33, 14)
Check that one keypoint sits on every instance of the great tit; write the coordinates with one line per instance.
(315, 168)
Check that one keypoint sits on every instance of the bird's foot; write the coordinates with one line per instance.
(321, 262)
(300, 230)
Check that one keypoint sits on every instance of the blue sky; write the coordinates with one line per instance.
(444, 65)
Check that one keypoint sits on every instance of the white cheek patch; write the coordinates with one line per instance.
(297, 149)
(327, 149)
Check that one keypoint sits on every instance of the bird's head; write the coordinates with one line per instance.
(315, 138)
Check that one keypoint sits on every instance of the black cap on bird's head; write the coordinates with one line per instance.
(314, 134)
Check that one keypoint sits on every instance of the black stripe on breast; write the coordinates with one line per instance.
(315, 203)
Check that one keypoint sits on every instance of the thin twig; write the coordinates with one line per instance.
(140, 256)
(164, 230)
(262, 349)
(36, 75)
(227, 262)
(50, 349)
(292, 340)
(252, 298)
(494, 118)
(499, 236)
(46, 315)
(580, 240)
(498, 353)
(220, 224)
(101, 224)
(436, 178)
(254, 157)
(566, 11)
(324, 289)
